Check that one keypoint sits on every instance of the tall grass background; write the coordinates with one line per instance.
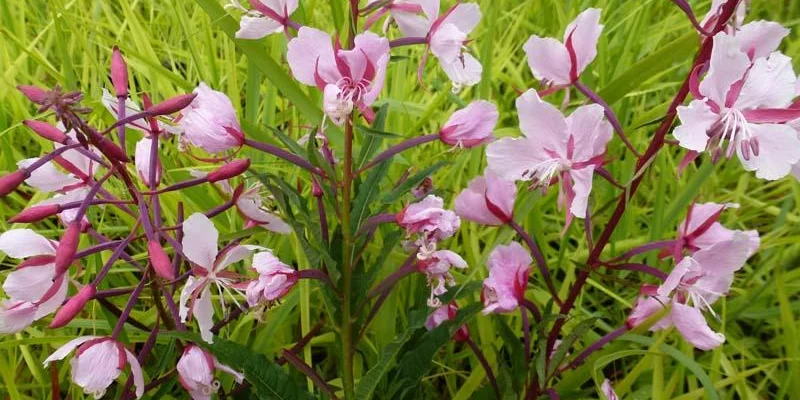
(644, 53)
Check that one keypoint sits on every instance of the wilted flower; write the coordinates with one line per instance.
(489, 199)
(554, 147)
(348, 78)
(693, 286)
(745, 104)
(98, 362)
(196, 372)
(275, 279)
(562, 63)
(210, 121)
(436, 267)
(268, 17)
(446, 313)
(200, 247)
(504, 289)
(429, 218)
(470, 126)
(447, 39)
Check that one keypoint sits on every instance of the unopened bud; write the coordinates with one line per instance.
(73, 306)
(229, 170)
(47, 131)
(35, 214)
(172, 105)
(119, 73)
(160, 260)
(111, 150)
(33, 93)
(316, 189)
(67, 247)
(10, 182)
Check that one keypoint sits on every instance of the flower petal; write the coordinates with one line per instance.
(585, 31)
(696, 119)
(590, 130)
(760, 38)
(770, 84)
(136, 371)
(67, 348)
(582, 187)
(257, 27)
(692, 325)
(514, 158)
(727, 65)
(142, 160)
(312, 48)
(463, 71)
(779, 149)
(540, 120)
(47, 178)
(203, 312)
(200, 240)
(548, 59)
(96, 367)
(23, 243)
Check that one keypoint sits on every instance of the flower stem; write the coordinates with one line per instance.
(540, 261)
(348, 379)
(486, 366)
(399, 148)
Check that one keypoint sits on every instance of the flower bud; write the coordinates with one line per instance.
(172, 105)
(229, 170)
(119, 73)
(33, 93)
(10, 182)
(67, 247)
(160, 260)
(470, 126)
(35, 214)
(73, 306)
(47, 131)
(111, 150)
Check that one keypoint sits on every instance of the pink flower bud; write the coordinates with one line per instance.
(10, 182)
(160, 260)
(210, 122)
(73, 306)
(119, 73)
(33, 93)
(229, 170)
(470, 126)
(316, 189)
(111, 150)
(67, 247)
(35, 214)
(172, 105)
(47, 131)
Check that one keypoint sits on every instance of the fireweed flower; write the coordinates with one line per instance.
(196, 372)
(413, 17)
(348, 78)
(701, 229)
(98, 362)
(446, 313)
(553, 62)
(436, 267)
(488, 200)
(34, 288)
(269, 16)
(209, 264)
(695, 283)
(470, 126)
(210, 122)
(504, 289)
(447, 39)
(275, 279)
(608, 390)
(746, 105)
(430, 221)
(554, 147)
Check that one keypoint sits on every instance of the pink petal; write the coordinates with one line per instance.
(236, 254)
(16, 315)
(463, 71)
(97, 367)
(200, 240)
(142, 160)
(608, 390)
(24, 243)
(187, 292)
(770, 84)
(257, 27)
(540, 120)
(696, 119)
(727, 65)
(720, 261)
(686, 266)
(47, 178)
(513, 158)
(760, 38)
(465, 17)
(237, 376)
(136, 371)
(585, 30)
(471, 204)
(446, 43)
(194, 369)
(471, 125)
(310, 47)
(67, 348)
(692, 325)
(779, 149)
(266, 263)
(548, 59)
(590, 131)
(53, 303)
(203, 312)
(29, 283)
(645, 307)
(582, 187)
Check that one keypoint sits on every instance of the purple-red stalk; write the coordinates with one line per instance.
(399, 148)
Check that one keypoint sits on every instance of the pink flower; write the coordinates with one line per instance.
(269, 16)
(745, 104)
(446, 313)
(36, 290)
(429, 218)
(97, 363)
(504, 289)
(608, 390)
(209, 122)
(436, 267)
(347, 78)
(200, 247)
(196, 372)
(700, 230)
(470, 126)
(275, 279)
(142, 161)
(413, 17)
(693, 286)
(487, 200)
(554, 147)
(562, 63)
(446, 39)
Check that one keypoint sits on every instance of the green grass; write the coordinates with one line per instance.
(171, 45)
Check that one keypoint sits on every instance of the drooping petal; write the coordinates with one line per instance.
(727, 65)
(581, 187)
(760, 38)
(203, 312)
(693, 326)
(644, 308)
(686, 266)
(200, 240)
(47, 178)
(136, 371)
(207, 123)
(68, 216)
(770, 84)
(463, 71)
(471, 125)
(29, 283)
(16, 315)
(257, 27)
(187, 292)
(548, 59)
(509, 267)
(194, 369)
(779, 149)
(311, 51)
(584, 30)
(23, 243)
(96, 367)
(696, 119)
(720, 261)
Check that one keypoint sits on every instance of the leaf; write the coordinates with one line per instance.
(372, 142)
(369, 382)
(561, 350)
(367, 192)
(375, 132)
(269, 380)
(514, 349)
(412, 182)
